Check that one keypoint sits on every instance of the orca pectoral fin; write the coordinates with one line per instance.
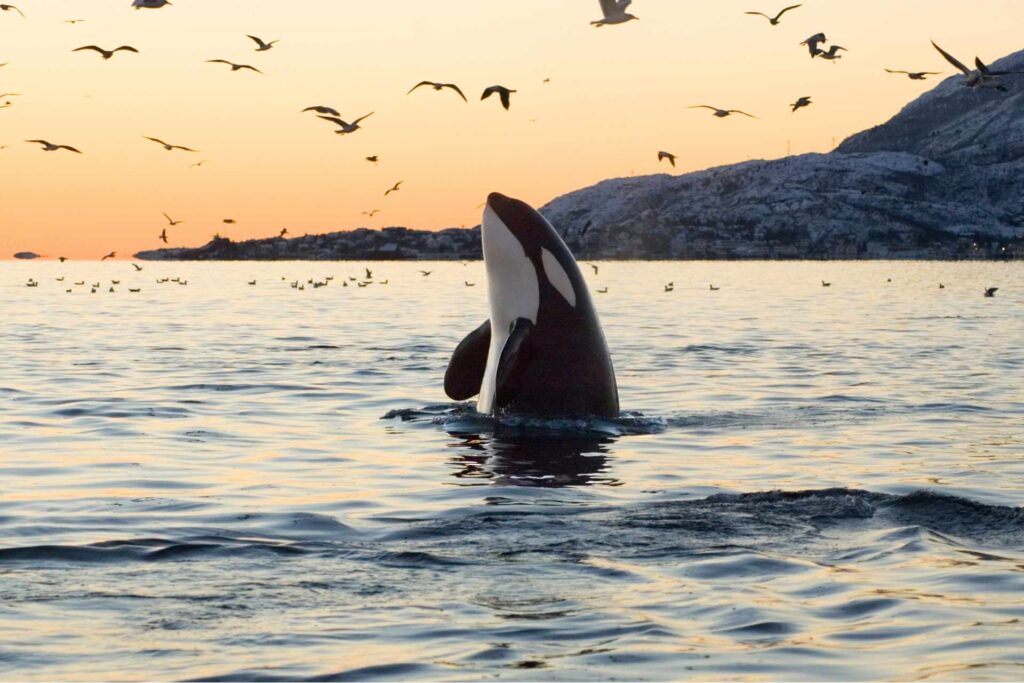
(466, 367)
(516, 351)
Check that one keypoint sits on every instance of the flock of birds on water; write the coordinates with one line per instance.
(361, 282)
(613, 12)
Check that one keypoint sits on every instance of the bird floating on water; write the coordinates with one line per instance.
(614, 12)
(826, 284)
(234, 67)
(262, 46)
(504, 94)
(915, 75)
(106, 54)
(774, 21)
(169, 147)
(438, 87)
(713, 288)
(667, 155)
(50, 147)
(721, 113)
(801, 102)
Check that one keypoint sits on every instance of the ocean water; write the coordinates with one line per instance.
(229, 481)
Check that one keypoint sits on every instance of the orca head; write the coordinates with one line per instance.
(528, 264)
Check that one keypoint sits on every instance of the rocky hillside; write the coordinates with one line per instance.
(944, 178)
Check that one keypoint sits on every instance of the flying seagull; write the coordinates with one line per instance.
(322, 109)
(234, 67)
(831, 53)
(991, 291)
(915, 75)
(112, 254)
(800, 103)
(137, 267)
(163, 236)
(614, 12)
(11, 7)
(171, 220)
(439, 86)
(982, 77)
(774, 21)
(107, 54)
(263, 47)
(370, 213)
(394, 189)
(667, 155)
(812, 43)
(169, 147)
(503, 93)
(373, 159)
(50, 147)
(345, 127)
(721, 113)
(73, 21)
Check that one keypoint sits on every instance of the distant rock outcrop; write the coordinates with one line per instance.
(944, 178)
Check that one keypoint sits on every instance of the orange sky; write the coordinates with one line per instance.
(617, 95)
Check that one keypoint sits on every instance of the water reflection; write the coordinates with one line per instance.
(544, 461)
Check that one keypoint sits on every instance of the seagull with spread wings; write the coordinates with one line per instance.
(171, 221)
(50, 147)
(812, 43)
(234, 67)
(982, 77)
(504, 94)
(614, 12)
(774, 21)
(394, 188)
(262, 46)
(667, 155)
(721, 113)
(106, 54)
(323, 109)
(344, 126)
(800, 103)
(439, 87)
(6, 8)
(169, 147)
(915, 75)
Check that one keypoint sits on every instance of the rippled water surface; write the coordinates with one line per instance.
(224, 480)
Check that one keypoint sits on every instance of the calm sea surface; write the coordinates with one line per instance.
(224, 480)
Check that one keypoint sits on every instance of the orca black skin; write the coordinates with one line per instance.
(550, 358)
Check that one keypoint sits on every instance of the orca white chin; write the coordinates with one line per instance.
(513, 292)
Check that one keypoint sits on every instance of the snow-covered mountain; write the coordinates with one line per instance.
(944, 177)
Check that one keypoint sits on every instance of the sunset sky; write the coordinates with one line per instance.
(617, 95)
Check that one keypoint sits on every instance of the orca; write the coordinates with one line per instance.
(542, 351)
